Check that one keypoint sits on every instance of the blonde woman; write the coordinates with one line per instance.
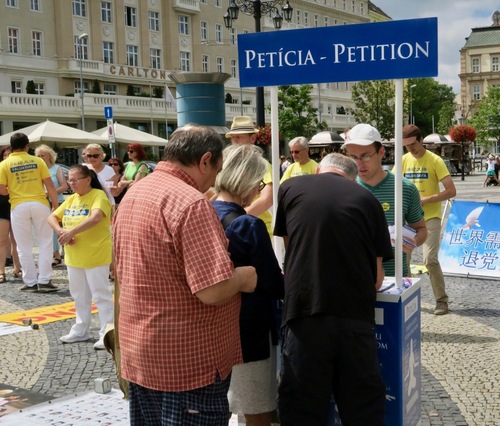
(47, 154)
(94, 157)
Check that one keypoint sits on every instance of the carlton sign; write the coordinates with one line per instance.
(374, 51)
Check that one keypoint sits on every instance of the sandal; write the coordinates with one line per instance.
(56, 262)
(2, 278)
(18, 274)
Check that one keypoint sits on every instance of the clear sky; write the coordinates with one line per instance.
(456, 18)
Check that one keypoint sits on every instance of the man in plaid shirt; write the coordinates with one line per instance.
(179, 301)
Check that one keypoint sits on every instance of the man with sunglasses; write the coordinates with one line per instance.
(363, 146)
(302, 165)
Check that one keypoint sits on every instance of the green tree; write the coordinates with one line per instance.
(30, 87)
(296, 115)
(158, 92)
(96, 88)
(374, 104)
(486, 120)
(432, 104)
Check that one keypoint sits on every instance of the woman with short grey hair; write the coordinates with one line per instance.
(253, 387)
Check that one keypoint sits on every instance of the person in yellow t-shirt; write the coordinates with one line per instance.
(86, 236)
(243, 132)
(302, 165)
(427, 171)
(23, 177)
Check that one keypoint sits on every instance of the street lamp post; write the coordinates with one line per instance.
(82, 90)
(257, 9)
(412, 121)
(151, 107)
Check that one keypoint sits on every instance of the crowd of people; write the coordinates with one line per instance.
(203, 301)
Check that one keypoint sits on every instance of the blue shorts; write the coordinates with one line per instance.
(490, 173)
(206, 406)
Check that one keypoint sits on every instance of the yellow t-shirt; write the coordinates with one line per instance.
(92, 247)
(267, 217)
(297, 169)
(426, 173)
(23, 174)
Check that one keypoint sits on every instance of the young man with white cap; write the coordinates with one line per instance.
(242, 132)
(426, 170)
(363, 146)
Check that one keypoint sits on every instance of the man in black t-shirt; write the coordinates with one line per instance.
(336, 238)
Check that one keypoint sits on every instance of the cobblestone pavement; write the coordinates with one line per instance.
(460, 351)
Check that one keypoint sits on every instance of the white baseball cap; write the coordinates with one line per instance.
(362, 134)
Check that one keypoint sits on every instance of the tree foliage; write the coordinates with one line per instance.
(486, 120)
(296, 115)
(30, 87)
(374, 104)
(432, 104)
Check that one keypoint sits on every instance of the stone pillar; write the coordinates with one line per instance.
(201, 99)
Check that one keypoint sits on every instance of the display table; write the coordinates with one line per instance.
(397, 330)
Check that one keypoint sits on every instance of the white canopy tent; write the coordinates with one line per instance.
(126, 135)
(50, 133)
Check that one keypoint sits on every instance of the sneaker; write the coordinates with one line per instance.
(71, 338)
(99, 345)
(47, 288)
(441, 308)
(26, 287)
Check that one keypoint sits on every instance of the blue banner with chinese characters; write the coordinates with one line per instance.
(471, 241)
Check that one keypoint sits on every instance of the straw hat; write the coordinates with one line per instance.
(241, 125)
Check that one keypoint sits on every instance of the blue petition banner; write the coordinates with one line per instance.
(471, 242)
(372, 51)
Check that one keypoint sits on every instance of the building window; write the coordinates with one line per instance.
(13, 40)
(325, 21)
(106, 14)
(154, 20)
(306, 19)
(16, 86)
(204, 30)
(297, 16)
(37, 43)
(217, 3)
(234, 68)
(132, 55)
(11, 3)
(130, 16)
(40, 88)
(84, 52)
(344, 6)
(353, 7)
(108, 52)
(494, 64)
(218, 33)
(183, 22)
(155, 58)
(185, 61)
(362, 8)
(220, 64)
(476, 92)
(203, 1)
(109, 89)
(475, 65)
(205, 63)
(85, 86)
(233, 36)
(79, 7)
(316, 20)
(35, 5)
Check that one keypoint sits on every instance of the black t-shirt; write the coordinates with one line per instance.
(336, 230)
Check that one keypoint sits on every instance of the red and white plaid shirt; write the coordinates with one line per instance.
(169, 244)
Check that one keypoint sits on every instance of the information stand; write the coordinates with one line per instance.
(397, 330)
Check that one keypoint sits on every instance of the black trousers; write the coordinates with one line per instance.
(322, 355)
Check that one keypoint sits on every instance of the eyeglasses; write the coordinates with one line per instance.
(296, 152)
(130, 151)
(262, 185)
(75, 180)
(364, 157)
(92, 155)
(113, 164)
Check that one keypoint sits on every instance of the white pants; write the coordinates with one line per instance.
(85, 285)
(23, 218)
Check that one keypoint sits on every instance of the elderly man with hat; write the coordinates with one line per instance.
(242, 132)
(363, 146)
(427, 170)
